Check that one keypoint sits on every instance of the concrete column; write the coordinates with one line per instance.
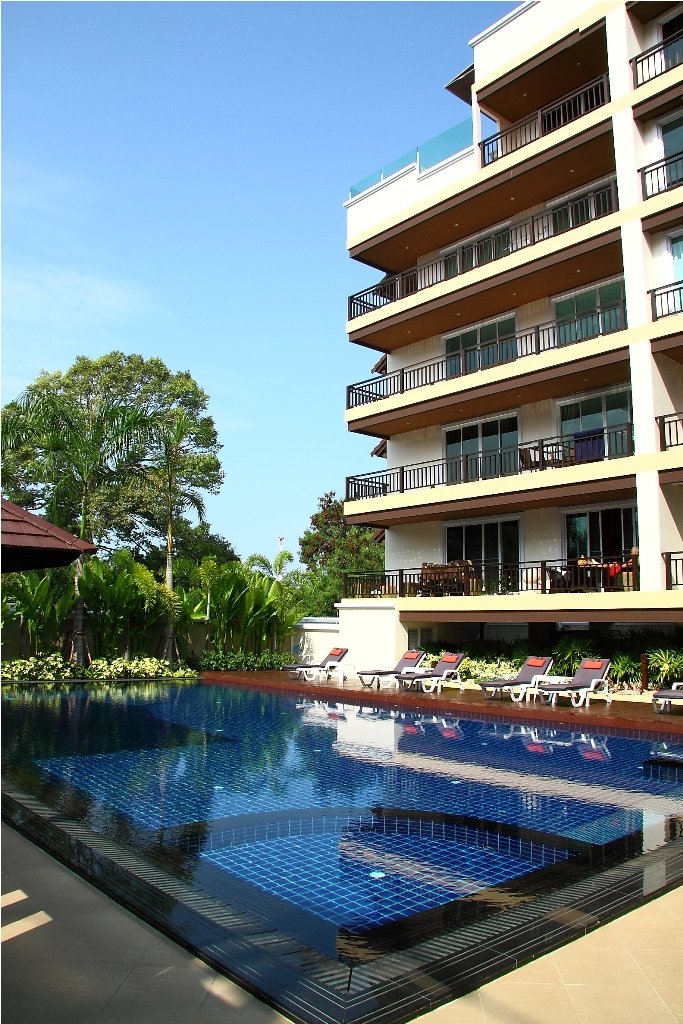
(650, 500)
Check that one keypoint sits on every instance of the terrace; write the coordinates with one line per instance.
(657, 60)
(550, 452)
(553, 334)
(495, 245)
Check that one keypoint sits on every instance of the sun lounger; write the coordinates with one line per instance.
(662, 699)
(448, 667)
(590, 678)
(323, 669)
(531, 671)
(407, 665)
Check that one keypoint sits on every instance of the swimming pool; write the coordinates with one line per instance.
(346, 862)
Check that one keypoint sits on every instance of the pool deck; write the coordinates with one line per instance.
(72, 955)
(630, 713)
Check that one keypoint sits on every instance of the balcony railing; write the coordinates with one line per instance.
(666, 300)
(554, 334)
(548, 119)
(662, 175)
(584, 446)
(673, 569)
(474, 578)
(670, 430)
(495, 246)
(657, 60)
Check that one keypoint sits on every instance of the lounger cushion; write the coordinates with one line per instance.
(594, 665)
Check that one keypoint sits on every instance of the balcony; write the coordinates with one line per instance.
(662, 175)
(551, 335)
(494, 246)
(476, 578)
(673, 569)
(666, 300)
(555, 452)
(563, 111)
(657, 60)
(670, 430)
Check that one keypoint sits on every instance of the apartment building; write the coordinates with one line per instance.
(524, 315)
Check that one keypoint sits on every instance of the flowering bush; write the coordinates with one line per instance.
(41, 666)
(137, 668)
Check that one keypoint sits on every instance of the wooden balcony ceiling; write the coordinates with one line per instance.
(571, 378)
(671, 346)
(553, 173)
(573, 267)
(563, 68)
(612, 489)
(647, 10)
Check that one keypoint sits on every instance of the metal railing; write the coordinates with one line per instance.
(555, 452)
(657, 60)
(670, 430)
(673, 569)
(497, 244)
(568, 108)
(662, 175)
(554, 334)
(473, 578)
(666, 300)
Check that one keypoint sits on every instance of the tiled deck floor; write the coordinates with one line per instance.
(94, 963)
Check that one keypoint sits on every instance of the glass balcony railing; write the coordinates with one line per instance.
(428, 154)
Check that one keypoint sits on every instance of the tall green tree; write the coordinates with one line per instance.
(330, 549)
(125, 511)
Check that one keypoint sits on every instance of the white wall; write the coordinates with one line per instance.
(313, 638)
(407, 547)
(374, 636)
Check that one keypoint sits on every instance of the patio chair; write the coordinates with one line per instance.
(591, 677)
(322, 669)
(448, 667)
(662, 699)
(518, 688)
(406, 666)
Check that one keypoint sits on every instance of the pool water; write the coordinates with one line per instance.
(329, 853)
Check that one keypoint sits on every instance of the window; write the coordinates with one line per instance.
(606, 534)
(481, 346)
(419, 637)
(480, 451)
(591, 313)
(493, 548)
(600, 425)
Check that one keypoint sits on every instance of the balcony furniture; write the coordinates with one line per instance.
(559, 580)
(531, 671)
(661, 700)
(448, 667)
(408, 664)
(590, 678)
(458, 577)
(324, 668)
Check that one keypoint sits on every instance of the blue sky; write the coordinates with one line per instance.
(173, 181)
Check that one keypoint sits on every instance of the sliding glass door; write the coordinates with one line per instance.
(492, 547)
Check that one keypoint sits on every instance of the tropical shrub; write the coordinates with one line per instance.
(568, 653)
(665, 665)
(45, 666)
(625, 670)
(137, 668)
(243, 661)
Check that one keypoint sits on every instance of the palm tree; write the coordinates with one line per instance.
(85, 448)
(176, 467)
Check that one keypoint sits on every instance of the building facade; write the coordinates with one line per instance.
(526, 332)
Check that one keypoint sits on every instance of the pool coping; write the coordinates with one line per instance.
(593, 719)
